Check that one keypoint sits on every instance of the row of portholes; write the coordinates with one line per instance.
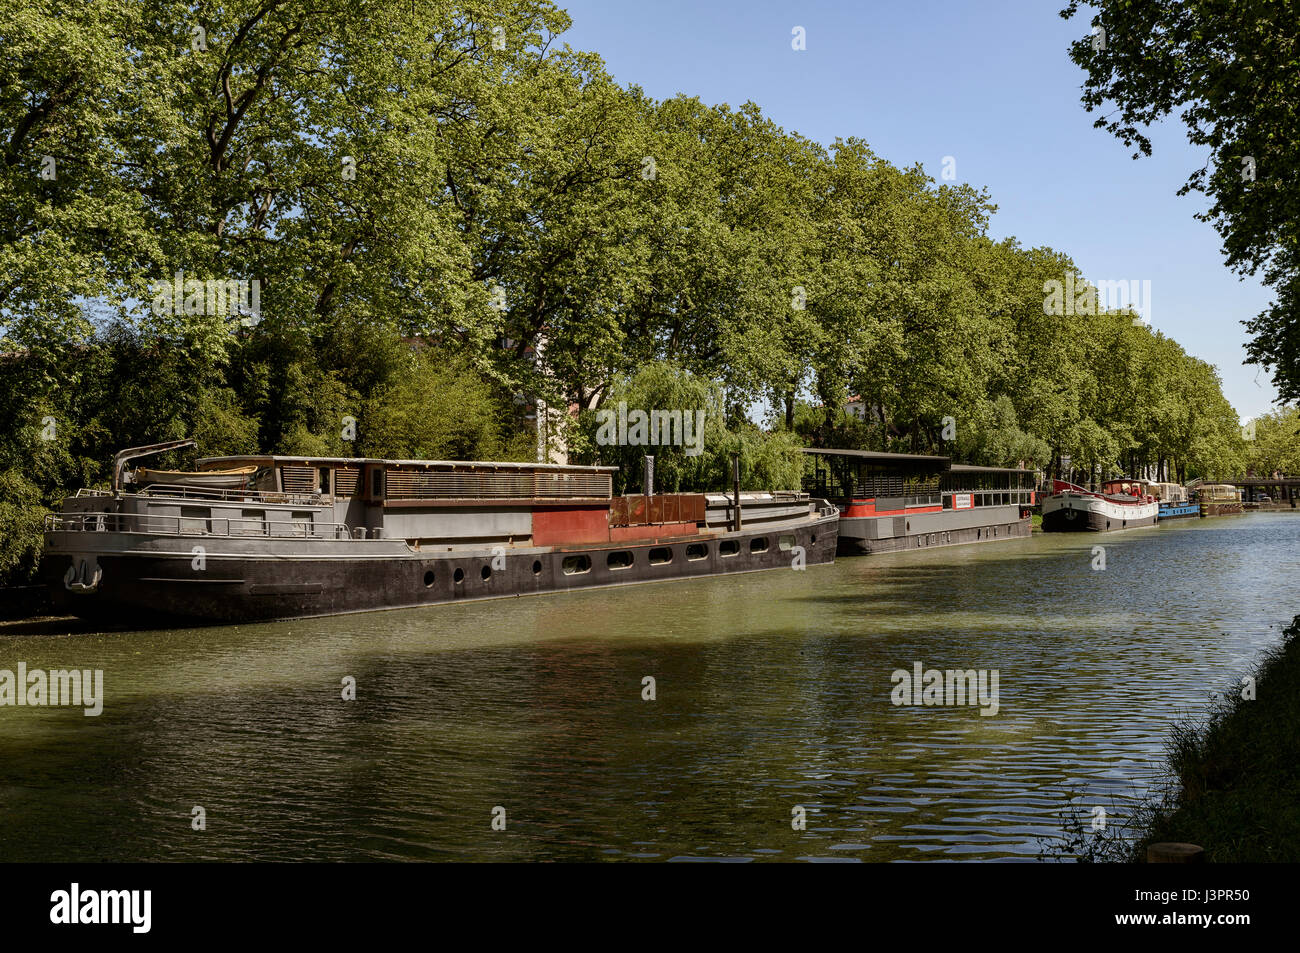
(486, 573)
(663, 555)
(624, 558)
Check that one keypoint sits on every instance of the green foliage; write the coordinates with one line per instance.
(767, 460)
(395, 178)
(1232, 73)
(21, 514)
(1276, 444)
(433, 410)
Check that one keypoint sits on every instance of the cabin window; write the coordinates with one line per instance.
(728, 547)
(758, 544)
(575, 565)
(325, 480)
(377, 483)
(696, 551)
(619, 560)
(661, 555)
(786, 543)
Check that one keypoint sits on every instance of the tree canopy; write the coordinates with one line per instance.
(450, 216)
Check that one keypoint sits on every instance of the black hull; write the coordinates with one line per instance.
(148, 589)
(1086, 521)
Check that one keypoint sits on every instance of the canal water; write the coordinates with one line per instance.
(772, 700)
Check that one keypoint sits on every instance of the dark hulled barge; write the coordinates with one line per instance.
(275, 537)
(896, 501)
(1121, 504)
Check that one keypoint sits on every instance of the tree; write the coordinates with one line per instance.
(1233, 70)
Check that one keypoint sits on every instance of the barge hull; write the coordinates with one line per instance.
(861, 536)
(1079, 520)
(234, 587)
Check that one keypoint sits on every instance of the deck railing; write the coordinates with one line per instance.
(154, 525)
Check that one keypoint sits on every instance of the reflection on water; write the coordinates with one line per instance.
(772, 691)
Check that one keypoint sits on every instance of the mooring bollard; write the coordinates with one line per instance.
(1173, 853)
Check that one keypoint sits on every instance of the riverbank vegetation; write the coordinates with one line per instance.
(449, 216)
(1234, 777)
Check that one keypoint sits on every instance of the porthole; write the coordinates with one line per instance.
(486, 573)
(661, 556)
(786, 543)
(459, 575)
(428, 579)
(537, 567)
(696, 551)
(728, 547)
(574, 565)
(620, 559)
(758, 544)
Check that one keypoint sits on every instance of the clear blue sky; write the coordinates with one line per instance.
(988, 83)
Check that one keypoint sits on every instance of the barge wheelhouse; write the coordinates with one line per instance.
(1219, 499)
(1121, 504)
(896, 501)
(274, 537)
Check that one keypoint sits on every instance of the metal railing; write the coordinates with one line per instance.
(153, 525)
(164, 491)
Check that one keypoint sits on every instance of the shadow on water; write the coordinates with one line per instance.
(772, 694)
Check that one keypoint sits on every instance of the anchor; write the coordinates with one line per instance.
(87, 580)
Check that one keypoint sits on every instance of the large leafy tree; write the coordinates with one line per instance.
(1231, 70)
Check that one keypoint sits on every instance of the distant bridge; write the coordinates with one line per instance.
(1286, 487)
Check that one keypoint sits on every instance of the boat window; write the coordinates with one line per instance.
(696, 551)
(619, 560)
(301, 523)
(377, 482)
(325, 480)
(728, 547)
(758, 544)
(786, 543)
(574, 565)
(661, 555)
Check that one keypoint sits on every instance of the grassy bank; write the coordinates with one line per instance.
(1235, 786)
(1238, 792)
